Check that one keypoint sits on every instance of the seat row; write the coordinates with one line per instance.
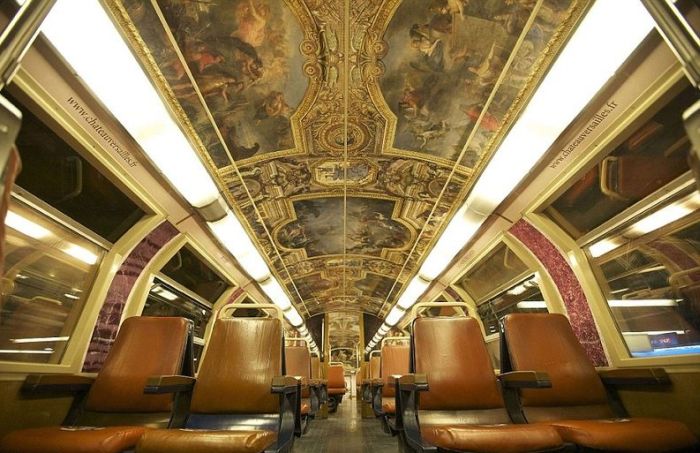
(441, 392)
(247, 396)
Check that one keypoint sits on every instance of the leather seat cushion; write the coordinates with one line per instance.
(636, 434)
(492, 438)
(389, 406)
(305, 407)
(205, 441)
(61, 439)
(336, 391)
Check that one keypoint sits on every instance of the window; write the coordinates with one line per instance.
(524, 297)
(167, 298)
(186, 268)
(498, 268)
(49, 271)
(55, 173)
(651, 278)
(653, 155)
(502, 283)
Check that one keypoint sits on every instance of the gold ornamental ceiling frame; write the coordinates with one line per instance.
(459, 176)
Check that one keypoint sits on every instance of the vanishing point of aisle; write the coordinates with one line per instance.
(346, 432)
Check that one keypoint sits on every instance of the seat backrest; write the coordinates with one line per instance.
(546, 342)
(375, 367)
(236, 372)
(462, 383)
(315, 367)
(336, 379)
(394, 361)
(144, 347)
(298, 361)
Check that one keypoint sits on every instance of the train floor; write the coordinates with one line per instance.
(346, 432)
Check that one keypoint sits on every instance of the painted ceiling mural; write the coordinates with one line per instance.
(344, 337)
(346, 133)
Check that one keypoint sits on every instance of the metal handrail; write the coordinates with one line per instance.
(414, 310)
(232, 307)
(401, 338)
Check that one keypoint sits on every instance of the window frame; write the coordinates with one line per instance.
(649, 101)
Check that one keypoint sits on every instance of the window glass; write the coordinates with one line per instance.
(652, 156)
(166, 299)
(652, 285)
(49, 271)
(498, 268)
(186, 268)
(59, 176)
(524, 297)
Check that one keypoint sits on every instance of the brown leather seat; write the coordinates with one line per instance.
(336, 380)
(395, 358)
(463, 410)
(577, 403)
(317, 376)
(316, 372)
(336, 386)
(298, 364)
(375, 367)
(233, 393)
(144, 347)
(182, 441)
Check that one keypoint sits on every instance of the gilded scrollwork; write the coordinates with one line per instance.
(345, 133)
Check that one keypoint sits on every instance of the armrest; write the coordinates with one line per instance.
(413, 382)
(56, 383)
(634, 376)
(525, 380)
(169, 384)
(284, 384)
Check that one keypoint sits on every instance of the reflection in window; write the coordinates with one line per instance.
(653, 289)
(59, 176)
(186, 268)
(524, 297)
(652, 156)
(166, 299)
(498, 268)
(49, 271)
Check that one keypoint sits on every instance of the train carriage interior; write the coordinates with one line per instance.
(349, 226)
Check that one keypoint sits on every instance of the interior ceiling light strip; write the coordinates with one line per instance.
(138, 107)
(142, 112)
(583, 67)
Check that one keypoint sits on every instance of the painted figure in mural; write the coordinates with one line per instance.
(431, 47)
(455, 52)
(252, 21)
(272, 105)
(244, 58)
